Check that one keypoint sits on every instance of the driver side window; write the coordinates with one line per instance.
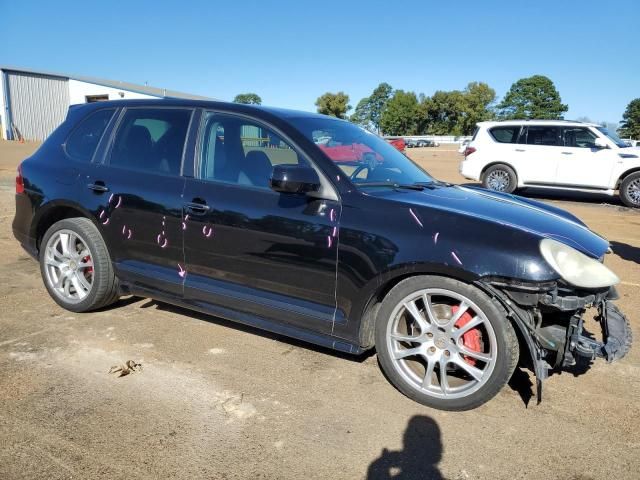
(238, 151)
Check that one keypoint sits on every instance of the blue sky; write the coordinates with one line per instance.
(290, 52)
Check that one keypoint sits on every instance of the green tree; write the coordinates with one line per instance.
(442, 113)
(630, 125)
(334, 104)
(369, 109)
(400, 115)
(478, 101)
(248, 98)
(533, 97)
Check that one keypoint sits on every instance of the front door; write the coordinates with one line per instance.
(248, 248)
(136, 196)
(582, 164)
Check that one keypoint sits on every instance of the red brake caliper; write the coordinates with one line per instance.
(471, 339)
(89, 270)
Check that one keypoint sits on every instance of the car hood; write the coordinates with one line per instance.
(508, 211)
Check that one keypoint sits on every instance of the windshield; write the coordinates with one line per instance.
(366, 158)
(613, 137)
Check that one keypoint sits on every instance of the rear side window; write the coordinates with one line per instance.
(82, 143)
(505, 134)
(543, 136)
(151, 140)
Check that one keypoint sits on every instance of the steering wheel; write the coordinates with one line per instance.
(355, 173)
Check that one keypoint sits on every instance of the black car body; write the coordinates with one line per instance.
(191, 213)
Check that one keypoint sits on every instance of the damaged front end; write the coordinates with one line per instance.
(549, 316)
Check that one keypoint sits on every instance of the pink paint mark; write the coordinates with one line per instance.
(101, 214)
(163, 234)
(329, 241)
(415, 217)
(158, 239)
(119, 202)
(338, 177)
(207, 231)
(184, 226)
(165, 243)
(106, 222)
(186, 217)
(181, 271)
(435, 238)
(110, 197)
(455, 257)
(129, 235)
(332, 215)
(124, 229)
(335, 231)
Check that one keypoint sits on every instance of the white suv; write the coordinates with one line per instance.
(554, 154)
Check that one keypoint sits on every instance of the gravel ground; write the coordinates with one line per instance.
(217, 400)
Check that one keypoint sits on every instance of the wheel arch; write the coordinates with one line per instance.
(625, 174)
(383, 285)
(53, 212)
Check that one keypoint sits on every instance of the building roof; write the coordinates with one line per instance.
(132, 87)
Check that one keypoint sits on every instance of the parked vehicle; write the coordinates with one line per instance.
(411, 143)
(427, 143)
(398, 143)
(633, 143)
(553, 154)
(235, 210)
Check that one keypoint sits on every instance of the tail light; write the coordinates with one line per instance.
(468, 151)
(19, 181)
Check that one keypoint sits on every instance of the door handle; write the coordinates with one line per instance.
(98, 187)
(196, 208)
(520, 150)
(567, 153)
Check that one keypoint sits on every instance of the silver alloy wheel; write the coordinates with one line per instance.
(68, 266)
(633, 191)
(427, 347)
(498, 180)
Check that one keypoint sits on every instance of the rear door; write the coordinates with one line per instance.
(582, 164)
(540, 149)
(248, 248)
(136, 196)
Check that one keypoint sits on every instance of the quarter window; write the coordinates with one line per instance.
(151, 139)
(579, 137)
(505, 134)
(541, 135)
(82, 143)
(235, 150)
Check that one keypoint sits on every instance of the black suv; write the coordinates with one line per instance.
(312, 227)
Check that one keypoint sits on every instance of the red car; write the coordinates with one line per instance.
(398, 143)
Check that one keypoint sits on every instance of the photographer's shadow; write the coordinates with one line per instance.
(419, 458)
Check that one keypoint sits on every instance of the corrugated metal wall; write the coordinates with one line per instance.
(38, 103)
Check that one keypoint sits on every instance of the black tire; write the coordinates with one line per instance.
(506, 344)
(630, 190)
(500, 178)
(104, 288)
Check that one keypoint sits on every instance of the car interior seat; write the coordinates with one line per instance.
(256, 169)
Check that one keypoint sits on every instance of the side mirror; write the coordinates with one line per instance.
(600, 143)
(294, 179)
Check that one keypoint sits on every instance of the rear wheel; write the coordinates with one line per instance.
(500, 178)
(76, 267)
(630, 190)
(444, 343)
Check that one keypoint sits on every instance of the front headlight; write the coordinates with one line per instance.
(576, 268)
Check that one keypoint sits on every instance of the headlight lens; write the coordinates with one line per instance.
(576, 268)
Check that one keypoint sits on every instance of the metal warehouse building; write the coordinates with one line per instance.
(33, 103)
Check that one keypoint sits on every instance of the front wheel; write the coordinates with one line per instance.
(630, 190)
(500, 178)
(444, 343)
(76, 267)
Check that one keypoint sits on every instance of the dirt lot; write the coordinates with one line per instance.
(216, 400)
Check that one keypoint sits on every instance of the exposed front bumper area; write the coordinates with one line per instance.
(550, 318)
